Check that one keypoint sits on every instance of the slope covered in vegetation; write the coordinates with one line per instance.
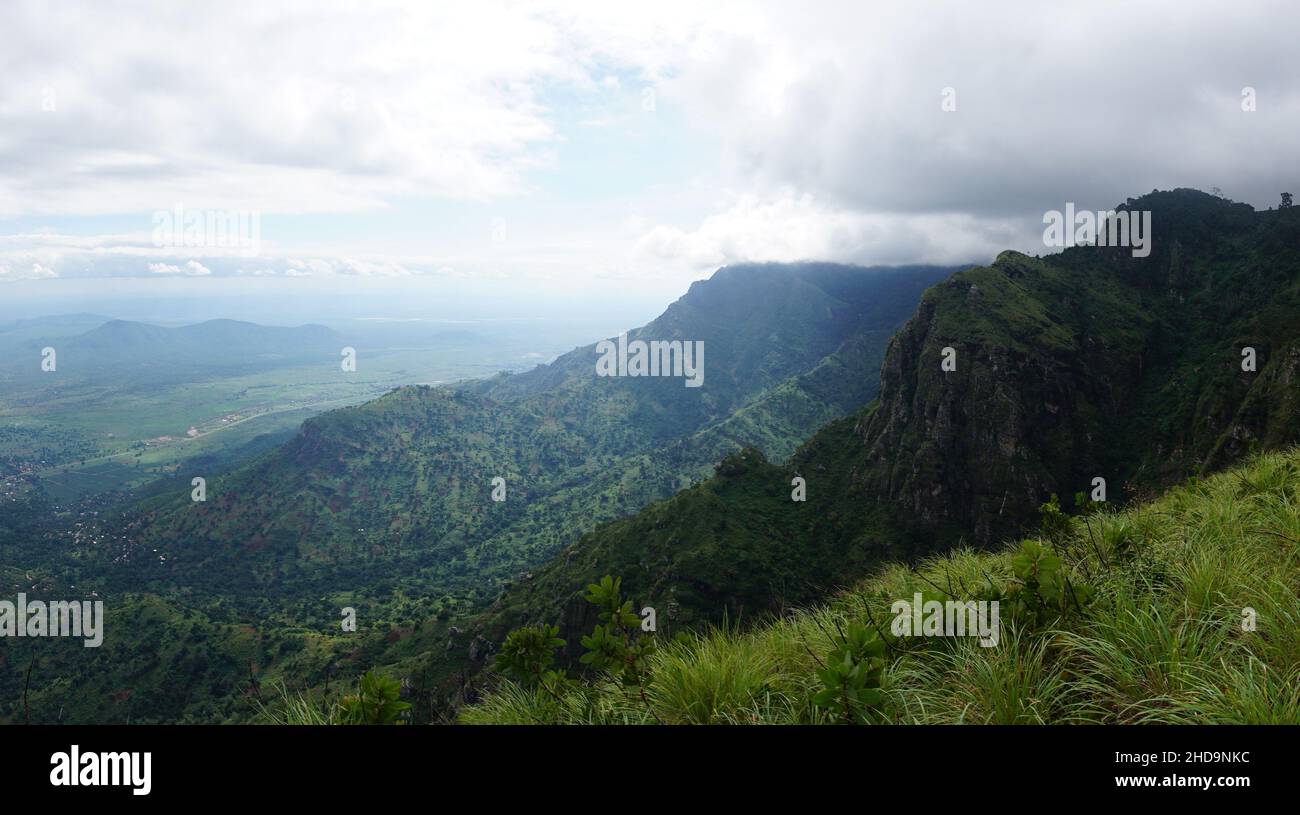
(1087, 364)
(1181, 610)
(400, 491)
(387, 508)
(1092, 363)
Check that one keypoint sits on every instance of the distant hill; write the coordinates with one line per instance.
(80, 321)
(215, 342)
(123, 351)
(15, 333)
(400, 488)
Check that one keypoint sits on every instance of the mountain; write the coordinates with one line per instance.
(16, 331)
(123, 351)
(1092, 363)
(224, 335)
(400, 489)
(734, 548)
(1089, 363)
(1189, 618)
(221, 344)
(387, 507)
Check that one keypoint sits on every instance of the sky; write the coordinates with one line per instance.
(520, 158)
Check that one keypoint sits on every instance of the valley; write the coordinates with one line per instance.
(103, 426)
(401, 526)
(1084, 364)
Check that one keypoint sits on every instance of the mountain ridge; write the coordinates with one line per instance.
(1065, 365)
(399, 489)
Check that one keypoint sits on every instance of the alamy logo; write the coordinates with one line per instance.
(1102, 228)
(931, 618)
(77, 769)
(179, 228)
(56, 618)
(683, 358)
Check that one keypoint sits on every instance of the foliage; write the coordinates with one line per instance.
(1164, 643)
(852, 677)
(384, 506)
(378, 701)
(527, 654)
(1042, 590)
(615, 644)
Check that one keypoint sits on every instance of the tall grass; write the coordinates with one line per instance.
(1166, 639)
(293, 708)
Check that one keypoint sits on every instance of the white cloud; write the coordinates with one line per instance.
(295, 108)
(362, 268)
(33, 257)
(35, 271)
(191, 268)
(822, 123)
(834, 135)
(794, 227)
(1093, 104)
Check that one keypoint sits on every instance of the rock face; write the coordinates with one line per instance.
(976, 448)
(1089, 364)
(1267, 415)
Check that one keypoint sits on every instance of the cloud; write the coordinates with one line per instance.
(836, 142)
(779, 131)
(346, 266)
(35, 271)
(1106, 101)
(362, 268)
(90, 258)
(794, 227)
(337, 108)
(191, 268)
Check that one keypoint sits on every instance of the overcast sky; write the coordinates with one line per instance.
(612, 147)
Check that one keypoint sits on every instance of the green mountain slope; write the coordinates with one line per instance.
(400, 489)
(1193, 619)
(1090, 363)
(733, 548)
(386, 507)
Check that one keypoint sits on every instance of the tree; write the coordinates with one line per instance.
(1286, 201)
(378, 702)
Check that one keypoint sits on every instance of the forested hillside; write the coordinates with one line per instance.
(387, 508)
(400, 489)
(1179, 611)
(1087, 364)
